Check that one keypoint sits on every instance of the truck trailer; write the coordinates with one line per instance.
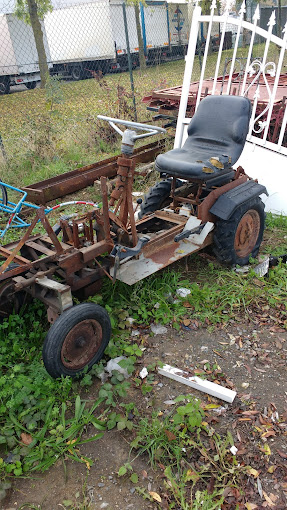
(18, 56)
(83, 39)
(80, 39)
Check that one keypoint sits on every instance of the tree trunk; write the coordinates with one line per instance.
(140, 39)
(39, 41)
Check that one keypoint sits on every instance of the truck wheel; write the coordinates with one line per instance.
(157, 197)
(239, 238)
(31, 85)
(4, 85)
(76, 340)
(77, 72)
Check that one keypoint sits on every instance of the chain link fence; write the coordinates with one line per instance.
(93, 44)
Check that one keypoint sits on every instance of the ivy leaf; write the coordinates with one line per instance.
(134, 478)
(122, 471)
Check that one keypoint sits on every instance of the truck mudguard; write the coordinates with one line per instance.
(229, 201)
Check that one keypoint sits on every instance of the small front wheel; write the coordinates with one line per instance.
(77, 340)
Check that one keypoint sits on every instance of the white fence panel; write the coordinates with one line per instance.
(263, 80)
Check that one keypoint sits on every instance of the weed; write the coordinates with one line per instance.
(39, 421)
(196, 469)
(148, 300)
(275, 229)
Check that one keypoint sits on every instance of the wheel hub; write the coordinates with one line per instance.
(247, 233)
(81, 344)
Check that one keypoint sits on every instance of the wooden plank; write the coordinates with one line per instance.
(39, 247)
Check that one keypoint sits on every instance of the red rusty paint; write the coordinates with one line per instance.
(81, 344)
(247, 233)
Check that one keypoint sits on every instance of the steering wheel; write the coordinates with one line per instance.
(129, 136)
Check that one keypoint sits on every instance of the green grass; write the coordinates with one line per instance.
(53, 131)
(53, 413)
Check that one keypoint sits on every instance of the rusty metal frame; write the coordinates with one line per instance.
(44, 191)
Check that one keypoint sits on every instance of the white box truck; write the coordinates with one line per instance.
(80, 39)
(18, 55)
(164, 28)
(119, 34)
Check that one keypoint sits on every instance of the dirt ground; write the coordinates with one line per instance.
(252, 358)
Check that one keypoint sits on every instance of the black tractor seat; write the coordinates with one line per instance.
(216, 137)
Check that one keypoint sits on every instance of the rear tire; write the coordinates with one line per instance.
(158, 197)
(77, 72)
(4, 85)
(31, 85)
(77, 340)
(239, 238)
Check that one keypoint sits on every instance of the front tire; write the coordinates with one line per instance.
(158, 197)
(77, 340)
(239, 238)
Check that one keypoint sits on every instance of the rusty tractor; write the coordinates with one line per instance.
(201, 200)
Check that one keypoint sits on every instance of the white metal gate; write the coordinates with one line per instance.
(265, 153)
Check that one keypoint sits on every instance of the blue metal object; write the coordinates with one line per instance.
(13, 209)
(168, 25)
(143, 28)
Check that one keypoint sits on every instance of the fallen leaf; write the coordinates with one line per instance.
(271, 469)
(269, 433)
(269, 501)
(273, 497)
(186, 322)
(251, 506)
(191, 476)
(26, 438)
(144, 473)
(170, 435)
(218, 354)
(155, 496)
(259, 487)
(266, 449)
(282, 454)
(253, 472)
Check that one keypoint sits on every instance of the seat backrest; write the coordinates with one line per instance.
(220, 126)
